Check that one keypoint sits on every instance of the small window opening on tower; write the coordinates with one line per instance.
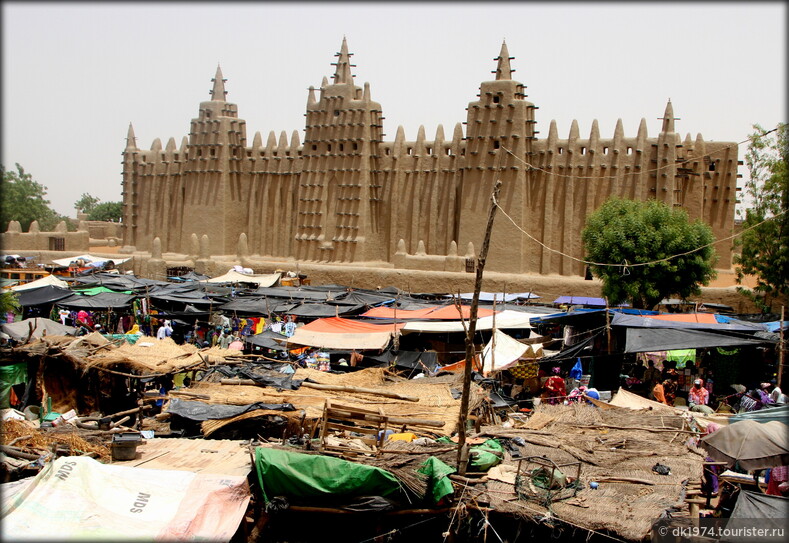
(561, 150)
(583, 150)
(249, 154)
(164, 156)
(336, 112)
(410, 151)
(429, 150)
(199, 152)
(213, 151)
(207, 113)
(175, 156)
(314, 147)
(712, 167)
(355, 146)
(605, 150)
(496, 99)
(449, 151)
(496, 144)
(328, 147)
(629, 150)
(234, 152)
(388, 151)
(342, 147)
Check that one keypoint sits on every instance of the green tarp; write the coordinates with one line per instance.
(438, 484)
(11, 375)
(305, 476)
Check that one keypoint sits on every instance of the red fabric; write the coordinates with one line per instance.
(338, 325)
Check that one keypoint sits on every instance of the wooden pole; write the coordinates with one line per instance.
(472, 328)
(781, 350)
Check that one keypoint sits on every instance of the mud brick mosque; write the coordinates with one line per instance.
(345, 196)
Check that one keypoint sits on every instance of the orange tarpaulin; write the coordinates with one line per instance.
(338, 325)
(705, 318)
(446, 312)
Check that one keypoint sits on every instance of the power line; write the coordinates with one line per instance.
(626, 265)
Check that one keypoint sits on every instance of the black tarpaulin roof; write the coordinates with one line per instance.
(323, 310)
(103, 300)
(43, 295)
(635, 321)
(293, 293)
(641, 340)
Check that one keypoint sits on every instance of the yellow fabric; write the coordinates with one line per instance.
(405, 436)
(260, 326)
(134, 329)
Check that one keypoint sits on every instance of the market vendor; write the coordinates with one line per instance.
(699, 397)
(555, 389)
(659, 391)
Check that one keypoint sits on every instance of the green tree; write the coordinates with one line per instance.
(107, 211)
(24, 200)
(636, 233)
(8, 302)
(86, 203)
(764, 243)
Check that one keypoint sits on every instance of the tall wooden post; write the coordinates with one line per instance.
(781, 350)
(470, 331)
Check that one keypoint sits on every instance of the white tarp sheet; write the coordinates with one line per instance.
(504, 319)
(90, 259)
(506, 352)
(232, 276)
(43, 282)
(78, 498)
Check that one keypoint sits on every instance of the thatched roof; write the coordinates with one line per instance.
(610, 443)
(435, 397)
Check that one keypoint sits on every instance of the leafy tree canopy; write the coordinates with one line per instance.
(765, 240)
(23, 200)
(86, 203)
(633, 232)
(106, 211)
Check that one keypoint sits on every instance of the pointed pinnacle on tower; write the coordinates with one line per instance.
(218, 93)
(668, 118)
(503, 70)
(343, 72)
(131, 141)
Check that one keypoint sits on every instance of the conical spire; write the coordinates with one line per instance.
(343, 72)
(131, 141)
(218, 93)
(668, 118)
(503, 70)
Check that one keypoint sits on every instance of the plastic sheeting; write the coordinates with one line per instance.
(233, 276)
(103, 300)
(753, 445)
(10, 375)
(771, 512)
(49, 280)
(78, 499)
(303, 476)
(780, 413)
(20, 330)
(43, 295)
(501, 352)
(201, 411)
(645, 340)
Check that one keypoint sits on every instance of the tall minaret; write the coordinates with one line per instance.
(340, 208)
(213, 204)
(129, 193)
(667, 185)
(500, 129)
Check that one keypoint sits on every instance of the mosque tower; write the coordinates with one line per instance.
(499, 134)
(340, 206)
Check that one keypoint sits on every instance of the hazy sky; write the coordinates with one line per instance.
(75, 75)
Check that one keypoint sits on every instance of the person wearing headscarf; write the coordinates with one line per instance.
(699, 397)
(659, 392)
(555, 388)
